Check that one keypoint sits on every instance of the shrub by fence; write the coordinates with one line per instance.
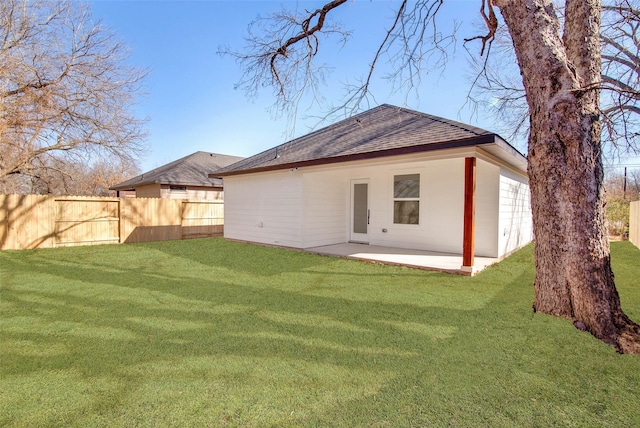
(634, 223)
(36, 221)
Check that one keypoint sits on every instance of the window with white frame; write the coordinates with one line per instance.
(406, 199)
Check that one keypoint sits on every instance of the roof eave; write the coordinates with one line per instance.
(163, 182)
(511, 155)
(479, 140)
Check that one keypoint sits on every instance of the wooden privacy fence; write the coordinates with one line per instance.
(634, 223)
(36, 221)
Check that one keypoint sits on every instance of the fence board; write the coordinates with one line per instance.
(36, 221)
(150, 219)
(25, 222)
(634, 223)
(86, 222)
(201, 219)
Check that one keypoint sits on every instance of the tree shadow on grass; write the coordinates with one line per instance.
(505, 366)
(241, 257)
(148, 343)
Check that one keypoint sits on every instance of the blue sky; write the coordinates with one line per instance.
(191, 102)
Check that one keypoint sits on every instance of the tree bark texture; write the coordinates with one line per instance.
(574, 279)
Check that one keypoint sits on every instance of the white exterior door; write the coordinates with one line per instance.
(359, 225)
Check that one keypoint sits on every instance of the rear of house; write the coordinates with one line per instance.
(185, 178)
(401, 183)
(180, 191)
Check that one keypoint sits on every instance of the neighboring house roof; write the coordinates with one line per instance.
(188, 171)
(385, 130)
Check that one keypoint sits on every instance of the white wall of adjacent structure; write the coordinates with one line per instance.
(309, 207)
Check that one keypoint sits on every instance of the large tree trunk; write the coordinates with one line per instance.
(573, 270)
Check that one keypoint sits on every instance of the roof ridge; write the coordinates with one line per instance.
(460, 125)
(385, 129)
(335, 124)
(179, 170)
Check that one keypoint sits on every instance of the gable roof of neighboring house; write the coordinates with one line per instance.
(188, 171)
(385, 130)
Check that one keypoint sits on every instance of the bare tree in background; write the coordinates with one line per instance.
(66, 93)
(498, 85)
(68, 177)
(559, 58)
(621, 73)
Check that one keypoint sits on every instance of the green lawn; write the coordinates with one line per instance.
(213, 333)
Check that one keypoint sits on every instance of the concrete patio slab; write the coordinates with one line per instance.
(428, 260)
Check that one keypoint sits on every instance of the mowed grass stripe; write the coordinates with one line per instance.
(216, 333)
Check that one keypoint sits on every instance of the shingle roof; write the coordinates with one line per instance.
(382, 131)
(188, 171)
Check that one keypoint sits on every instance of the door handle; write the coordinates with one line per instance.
(368, 215)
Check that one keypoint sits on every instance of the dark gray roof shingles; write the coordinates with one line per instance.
(382, 129)
(190, 170)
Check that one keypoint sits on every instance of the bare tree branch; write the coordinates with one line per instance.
(65, 91)
(307, 34)
(358, 96)
(281, 50)
(491, 21)
(619, 84)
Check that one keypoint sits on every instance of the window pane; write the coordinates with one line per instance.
(406, 186)
(406, 212)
